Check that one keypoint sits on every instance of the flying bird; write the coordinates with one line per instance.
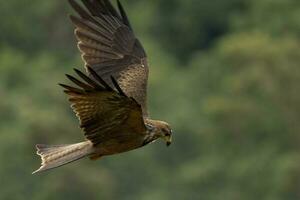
(110, 100)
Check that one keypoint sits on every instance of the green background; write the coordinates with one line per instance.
(224, 74)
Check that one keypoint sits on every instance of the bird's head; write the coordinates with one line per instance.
(162, 130)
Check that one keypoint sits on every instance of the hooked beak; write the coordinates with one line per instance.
(168, 140)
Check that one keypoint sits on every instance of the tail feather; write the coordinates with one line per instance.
(53, 156)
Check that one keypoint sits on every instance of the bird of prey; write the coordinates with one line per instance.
(110, 101)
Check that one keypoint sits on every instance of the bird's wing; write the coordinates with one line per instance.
(109, 46)
(103, 110)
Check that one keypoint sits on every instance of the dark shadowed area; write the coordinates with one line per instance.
(225, 74)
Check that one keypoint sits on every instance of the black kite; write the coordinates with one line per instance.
(110, 101)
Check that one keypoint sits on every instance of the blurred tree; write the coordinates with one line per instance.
(33, 26)
(277, 17)
(186, 26)
(224, 73)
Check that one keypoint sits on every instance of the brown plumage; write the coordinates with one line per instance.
(109, 46)
(110, 101)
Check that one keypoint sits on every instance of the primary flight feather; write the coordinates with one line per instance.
(110, 101)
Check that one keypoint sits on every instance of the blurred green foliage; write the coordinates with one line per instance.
(225, 74)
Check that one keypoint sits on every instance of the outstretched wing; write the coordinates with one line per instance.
(108, 45)
(103, 112)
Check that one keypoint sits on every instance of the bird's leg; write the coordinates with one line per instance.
(95, 156)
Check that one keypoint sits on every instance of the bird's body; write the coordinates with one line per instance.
(110, 101)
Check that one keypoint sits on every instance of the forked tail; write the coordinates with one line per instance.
(53, 156)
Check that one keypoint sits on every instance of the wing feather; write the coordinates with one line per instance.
(109, 46)
(124, 15)
(103, 112)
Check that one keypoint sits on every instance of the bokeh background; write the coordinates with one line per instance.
(225, 74)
